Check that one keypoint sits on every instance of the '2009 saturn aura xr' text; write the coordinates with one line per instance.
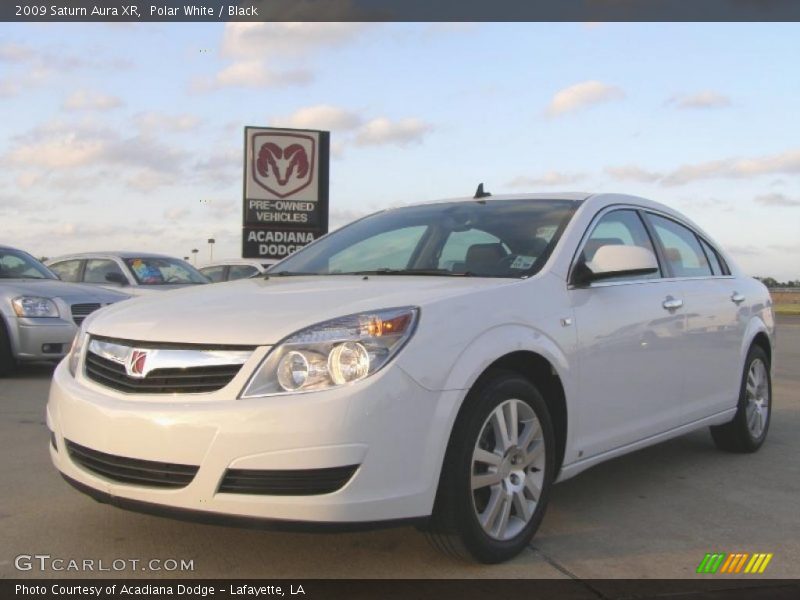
(446, 362)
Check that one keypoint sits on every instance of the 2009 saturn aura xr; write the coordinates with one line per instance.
(445, 361)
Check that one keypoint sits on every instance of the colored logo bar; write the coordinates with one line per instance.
(736, 562)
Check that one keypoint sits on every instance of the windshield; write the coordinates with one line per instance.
(496, 238)
(19, 265)
(164, 271)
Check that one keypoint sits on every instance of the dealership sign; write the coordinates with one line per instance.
(285, 190)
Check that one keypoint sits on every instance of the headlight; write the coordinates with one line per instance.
(34, 306)
(333, 353)
(76, 350)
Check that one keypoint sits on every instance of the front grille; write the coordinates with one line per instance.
(306, 482)
(132, 470)
(190, 380)
(81, 311)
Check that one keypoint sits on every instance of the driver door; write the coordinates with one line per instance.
(629, 345)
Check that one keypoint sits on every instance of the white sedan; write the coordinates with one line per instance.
(444, 363)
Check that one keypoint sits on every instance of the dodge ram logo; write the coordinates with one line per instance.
(283, 163)
(135, 366)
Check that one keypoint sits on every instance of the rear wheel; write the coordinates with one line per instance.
(498, 470)
(748, 429)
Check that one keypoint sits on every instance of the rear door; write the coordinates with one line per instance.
(97, 269)
(629, 345)
(715, 319)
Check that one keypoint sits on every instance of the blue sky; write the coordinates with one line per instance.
(130, 136)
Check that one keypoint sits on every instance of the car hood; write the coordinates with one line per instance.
(262, 312)
(53, 288)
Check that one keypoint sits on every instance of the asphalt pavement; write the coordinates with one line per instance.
(652, 514)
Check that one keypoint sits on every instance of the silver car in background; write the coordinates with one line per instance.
(135, 273)
(39, 314)
(236, 268)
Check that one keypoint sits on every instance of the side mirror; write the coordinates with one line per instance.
(615, 261)
(117, 278)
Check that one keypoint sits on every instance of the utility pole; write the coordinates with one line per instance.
(194, 253)
(211, 242)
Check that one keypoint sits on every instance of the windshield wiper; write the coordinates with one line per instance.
(268, 274)
(388, 271)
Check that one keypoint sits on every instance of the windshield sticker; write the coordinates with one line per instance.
(523, 262)
(146, 273)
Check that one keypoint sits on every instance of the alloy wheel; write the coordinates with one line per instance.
(508, 466)
(757, 395)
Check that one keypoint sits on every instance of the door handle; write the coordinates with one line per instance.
(672, 303)
(737, 298)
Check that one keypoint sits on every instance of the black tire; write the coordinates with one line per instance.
(736, 436)
(7, 362)
(455, 509)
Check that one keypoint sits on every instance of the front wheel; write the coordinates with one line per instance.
(6, 357)
(498, 469)
(748, 429)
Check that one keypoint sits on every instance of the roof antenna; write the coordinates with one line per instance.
(479, 193)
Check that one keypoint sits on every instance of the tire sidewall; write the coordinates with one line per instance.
(755, 353)
(7, 362)
(499, 389)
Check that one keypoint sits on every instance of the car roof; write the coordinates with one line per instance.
(586, 199)
(111, 254)
(573, 196)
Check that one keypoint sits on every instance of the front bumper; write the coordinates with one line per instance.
(392, 428)
(42, 338)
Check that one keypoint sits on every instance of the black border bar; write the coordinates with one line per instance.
(399, 10)
(407, 589)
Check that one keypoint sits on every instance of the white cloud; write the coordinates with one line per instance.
(176, 213)
(784, 163)
(153, 122)
(8, 88)
(553, 178)
(777, 200)
(736, 168)
(267, 39)
(633, 173)
(255, 49)
(252, 74)
(89, 100)
(384, 131)
(15, 53)
(704, 99)
(582, 95)
(321, 116)
(28, 179)
(223, 167)
(58, 152)
(82, 155)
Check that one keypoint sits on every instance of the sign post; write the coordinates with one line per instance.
(285, 190)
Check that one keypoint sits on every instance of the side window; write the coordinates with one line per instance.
(713, 258)
(67, 270)
(682, 250)
(621, 227)
(97, 269)
(215, 274)
(390, 249)
(241, 272)
(462, 246)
